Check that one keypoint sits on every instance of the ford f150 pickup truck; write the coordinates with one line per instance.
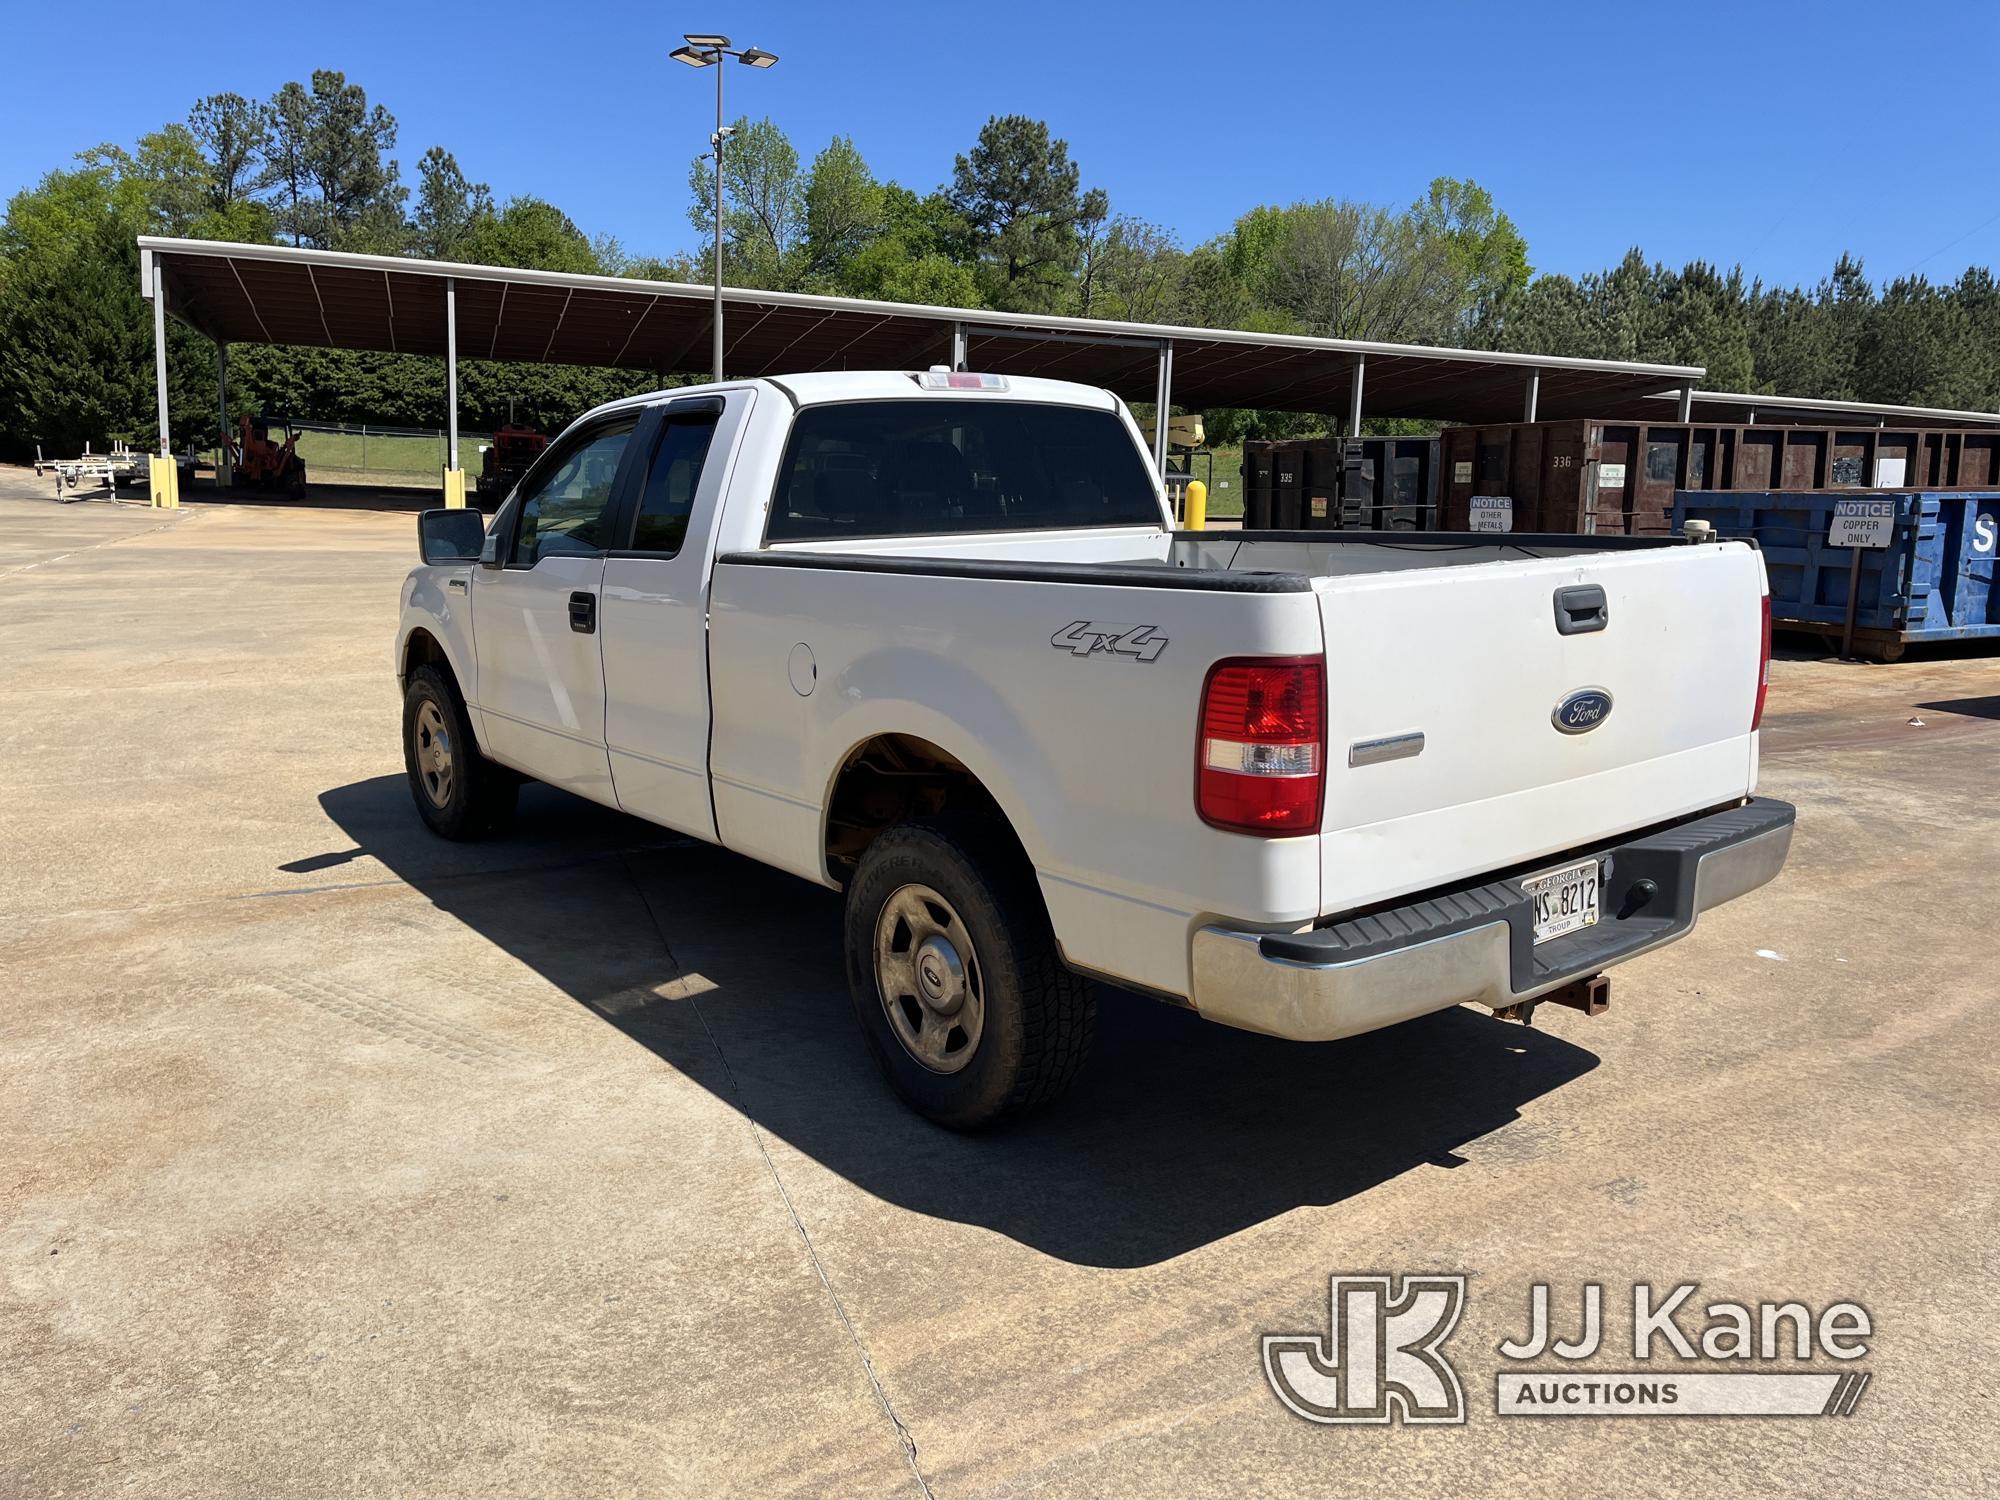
(932, 639)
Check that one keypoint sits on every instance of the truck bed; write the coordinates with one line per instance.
(1453, 639)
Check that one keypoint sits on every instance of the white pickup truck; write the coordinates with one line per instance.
(932, 639)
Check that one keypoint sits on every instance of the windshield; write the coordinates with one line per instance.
(930, 467)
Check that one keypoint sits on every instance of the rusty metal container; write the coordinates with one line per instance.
(1257, 486)
(1288, 484)
(1619, 478)
(1373, 483)
(1274, 480)
(1399, 479)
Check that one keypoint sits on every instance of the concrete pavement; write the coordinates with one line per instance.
(336, 1158)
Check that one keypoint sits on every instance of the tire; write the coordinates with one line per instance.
(992, 1024)
(459, 793)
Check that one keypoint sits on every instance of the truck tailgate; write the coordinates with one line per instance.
(1471, 658)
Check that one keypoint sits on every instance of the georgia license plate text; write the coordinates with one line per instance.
(1564, 900)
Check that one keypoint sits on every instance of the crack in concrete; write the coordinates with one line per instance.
(903, 1434)
(132, 536)
(420, 885)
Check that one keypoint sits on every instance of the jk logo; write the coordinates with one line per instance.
(1379, 1359)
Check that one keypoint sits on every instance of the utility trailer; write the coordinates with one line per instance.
(93, 469)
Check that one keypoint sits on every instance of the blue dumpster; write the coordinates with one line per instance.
(1933, 583)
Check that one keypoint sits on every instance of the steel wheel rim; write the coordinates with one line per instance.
(928, 979)
(433, 753)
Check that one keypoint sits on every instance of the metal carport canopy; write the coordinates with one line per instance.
(278, 294)
(1731, 409)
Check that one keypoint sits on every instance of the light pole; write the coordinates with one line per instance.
(707, 52)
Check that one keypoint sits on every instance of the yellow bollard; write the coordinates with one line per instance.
(454, 489)
(163, 483)
(1197, 506)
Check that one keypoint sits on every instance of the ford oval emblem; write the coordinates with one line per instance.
(1582, 711)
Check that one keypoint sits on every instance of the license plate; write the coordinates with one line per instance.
(1564, 900)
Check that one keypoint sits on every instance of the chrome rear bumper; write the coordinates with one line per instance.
(1476, 943)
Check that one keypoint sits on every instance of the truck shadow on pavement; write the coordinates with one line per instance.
(1179, 1132)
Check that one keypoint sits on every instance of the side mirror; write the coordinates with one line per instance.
(450, 536)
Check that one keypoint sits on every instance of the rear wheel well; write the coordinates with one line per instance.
(895, 778)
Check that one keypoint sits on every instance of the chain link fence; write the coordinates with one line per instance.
(392, 457)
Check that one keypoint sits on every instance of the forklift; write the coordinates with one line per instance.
(266, 464)
(1186, 437)
(503, 461)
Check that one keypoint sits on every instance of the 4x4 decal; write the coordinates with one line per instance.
(1087, 637)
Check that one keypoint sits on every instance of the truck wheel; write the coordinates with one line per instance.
(459, 792)
(955, 976)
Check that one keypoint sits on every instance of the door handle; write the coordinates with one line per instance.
(583, 612)
(1581, 609)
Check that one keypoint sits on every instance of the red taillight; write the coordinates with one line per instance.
(1763, 669)
(1260, 766)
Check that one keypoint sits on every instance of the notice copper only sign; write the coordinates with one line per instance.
(1862, 523)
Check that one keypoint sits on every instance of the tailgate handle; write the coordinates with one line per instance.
(1581, 609)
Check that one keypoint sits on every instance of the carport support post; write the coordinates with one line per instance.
(1687, 403)
(454, 477)
(224, 471)
(1163, 398)
(960, 357)
(1534, 396)
(1354, 396)
(164, 476)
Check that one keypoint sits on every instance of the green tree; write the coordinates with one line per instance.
(844, 208)
(287, 173)
(1479, 258)
(448, 206)
(1020, 194)
(163, 184)
(763, 203)
(325, 162)
(531, 233)
(1135, 276)
(1791, 343)
(78, 336)
(233, 133)
(1978, 295)
(1353, 270)
(918, 256)
(1922, 348)
(1209, 293)
(1550, 315)
(1706, 320)
(360, 201)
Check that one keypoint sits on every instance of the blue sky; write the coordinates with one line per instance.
(1774, 135)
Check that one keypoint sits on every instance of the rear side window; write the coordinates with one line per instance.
(932, 467)
(668, 498)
